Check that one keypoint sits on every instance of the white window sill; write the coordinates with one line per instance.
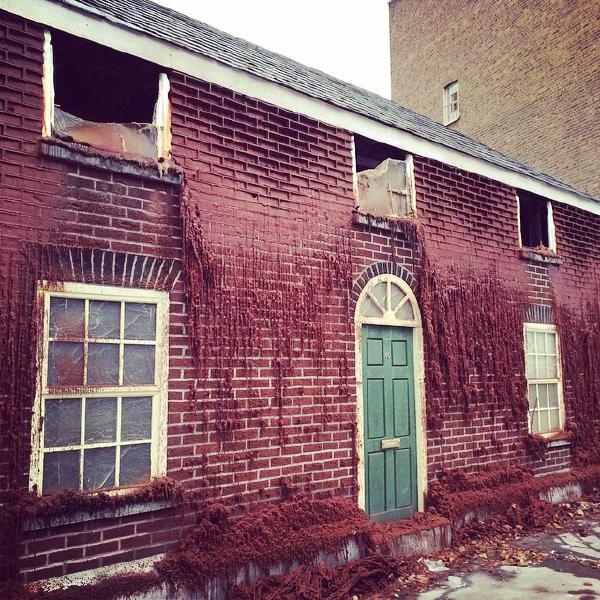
(79, 154)
(135, 508)
(543, 256)
(558, 443)
(450, 121)
(554, 439)
(377, 221)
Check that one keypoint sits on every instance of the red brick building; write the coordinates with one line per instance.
(525, 74)
(226, 269)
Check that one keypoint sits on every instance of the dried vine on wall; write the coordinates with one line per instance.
(20, 321)
(251, 299)
(579, 334)
(473, 330)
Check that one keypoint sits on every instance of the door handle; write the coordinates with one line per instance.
(390, 443)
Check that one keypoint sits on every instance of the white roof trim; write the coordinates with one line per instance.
(98, 29)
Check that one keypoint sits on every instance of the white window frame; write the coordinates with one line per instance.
(550, 225)
(546, 328)
(84, 291)
(450, 116)
(162, 107)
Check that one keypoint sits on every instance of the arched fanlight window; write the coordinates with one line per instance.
(388, 299)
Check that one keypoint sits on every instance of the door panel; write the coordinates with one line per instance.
(376, 479)
(375, 408)
(399, 355)
(375, 351)
(402, 400)
(390, 427)
(404, 485)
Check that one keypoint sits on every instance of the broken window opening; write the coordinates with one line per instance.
(535, 221)
(383, 179)
(105, 99)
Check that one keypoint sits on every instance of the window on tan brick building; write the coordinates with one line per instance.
(100, 414)
(451, 104)
(544, 380)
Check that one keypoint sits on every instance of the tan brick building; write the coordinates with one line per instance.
(527, 73)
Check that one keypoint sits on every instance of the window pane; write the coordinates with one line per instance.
(140, 321)
(531, 370)
(99, 468)
(397, 296)
(553, 395)
(370, 309)
(533, 421)
(540, 342)
(530, 342)
(542, 367)
(136, 418)
(405, 312)
(100, 420)
(62, 422)
(138, 365)
(544, 424)
(66, 317)
(550, 343)
(380, 293)
(104, 319)
(65, 363)
(554, 420)
(103, 364)
(542, 390)
(532, 397)
(135, 464)
(61, 471)
(551, 366)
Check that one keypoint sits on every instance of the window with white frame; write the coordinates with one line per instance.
(536, 222)
(451, 108)
(544, 385)
(97, 96)
(100, 415)
(383, 179)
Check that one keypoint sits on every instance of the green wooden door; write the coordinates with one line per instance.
(389, 422)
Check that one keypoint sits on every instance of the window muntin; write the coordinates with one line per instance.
(384, 301)
(102, 399)
(451, 103)
(544, 385)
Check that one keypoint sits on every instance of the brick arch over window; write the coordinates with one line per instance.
(376, 269)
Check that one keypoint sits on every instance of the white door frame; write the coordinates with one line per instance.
(389, 319)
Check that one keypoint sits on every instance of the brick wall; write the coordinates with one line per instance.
(101, 216)
(519, 93)
(266, 180)
(273, 195)
(577, 280)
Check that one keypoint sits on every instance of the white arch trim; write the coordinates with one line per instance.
(389, 318)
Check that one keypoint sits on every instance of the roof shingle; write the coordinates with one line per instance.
(183, 31)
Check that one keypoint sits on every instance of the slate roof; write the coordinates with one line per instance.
(183, 31)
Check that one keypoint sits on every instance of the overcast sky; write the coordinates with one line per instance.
(345, 38)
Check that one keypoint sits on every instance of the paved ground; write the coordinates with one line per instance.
(571, 570)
